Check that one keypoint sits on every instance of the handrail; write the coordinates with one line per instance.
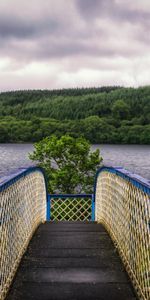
(11, 178)
(22, 209)
(122, 206)
(136, 180)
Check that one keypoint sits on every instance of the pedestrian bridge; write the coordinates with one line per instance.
(60, 247)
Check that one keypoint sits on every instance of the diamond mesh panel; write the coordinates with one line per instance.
(125, 212)
(22, 209)
(70, 209)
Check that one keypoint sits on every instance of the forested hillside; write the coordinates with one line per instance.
(102, 115)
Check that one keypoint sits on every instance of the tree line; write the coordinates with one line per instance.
(101, 115)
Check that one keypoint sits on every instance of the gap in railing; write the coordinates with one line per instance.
(70, 207)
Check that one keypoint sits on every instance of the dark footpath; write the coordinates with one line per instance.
(71, 261)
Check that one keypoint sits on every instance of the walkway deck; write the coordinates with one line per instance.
(71, 261)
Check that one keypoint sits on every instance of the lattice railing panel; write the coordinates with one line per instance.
(22, 209)
(124, 209)
(71, 209)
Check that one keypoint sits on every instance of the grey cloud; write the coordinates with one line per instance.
(74, 34)
(44, 49)
(74, 49)
(15, 28)
(95, 7)
(20, 28)
(48, 36)
(117, 11)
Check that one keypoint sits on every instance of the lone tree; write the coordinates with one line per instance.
(69, 164)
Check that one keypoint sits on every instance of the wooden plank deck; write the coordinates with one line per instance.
(71, 261)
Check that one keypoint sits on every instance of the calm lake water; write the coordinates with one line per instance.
(135, 158)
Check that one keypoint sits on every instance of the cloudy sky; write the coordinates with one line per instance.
(69, 43)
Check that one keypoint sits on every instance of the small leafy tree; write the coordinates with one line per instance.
(69, 164)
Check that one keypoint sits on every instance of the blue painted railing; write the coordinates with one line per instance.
(71, 207)
(22, 209)
(122, 205)
(138, 181)
(120, 202)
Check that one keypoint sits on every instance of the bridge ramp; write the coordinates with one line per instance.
(71, 261)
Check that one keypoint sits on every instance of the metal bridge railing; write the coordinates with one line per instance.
(78, 207)
(22, 209)
(122, 205)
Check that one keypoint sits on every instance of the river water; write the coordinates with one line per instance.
(135, 158)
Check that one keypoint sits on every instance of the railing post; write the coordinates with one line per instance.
(48, 211)
(93, 208)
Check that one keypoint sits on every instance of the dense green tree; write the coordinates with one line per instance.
(120, 110)
(69, 165)
(3, 134)
(145, 135)
(102, 115)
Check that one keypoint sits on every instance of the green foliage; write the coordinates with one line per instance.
(70, 166)
(120, 110)
(101, 115)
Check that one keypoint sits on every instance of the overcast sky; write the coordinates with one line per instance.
(69, 43)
